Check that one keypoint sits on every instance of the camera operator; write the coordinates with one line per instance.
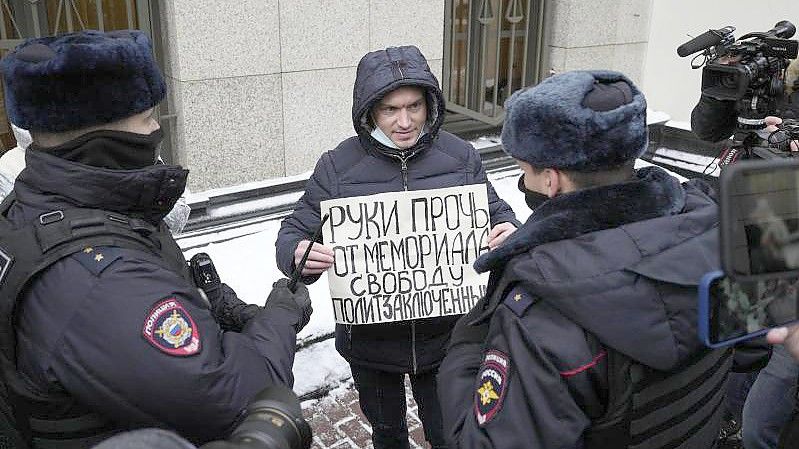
(115, 335)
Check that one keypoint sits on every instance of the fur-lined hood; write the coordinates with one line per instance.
(622, 261)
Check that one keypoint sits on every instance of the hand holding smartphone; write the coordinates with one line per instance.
(758, 287)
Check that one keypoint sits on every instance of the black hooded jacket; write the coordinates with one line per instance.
(362, 166)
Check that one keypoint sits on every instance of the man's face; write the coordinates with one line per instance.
(534, 180)
(401, 115)
(142, 123)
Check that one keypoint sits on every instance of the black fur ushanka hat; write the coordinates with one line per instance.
(580, 121)
(72, 81)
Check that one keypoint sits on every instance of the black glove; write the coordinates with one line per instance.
(299, 300)
(228, 310)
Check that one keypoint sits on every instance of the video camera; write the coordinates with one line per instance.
(750, 71)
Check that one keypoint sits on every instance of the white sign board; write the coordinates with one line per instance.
(406, 255)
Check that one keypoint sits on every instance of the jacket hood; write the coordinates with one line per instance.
(50, 183)
(626, 268)
(383, 71)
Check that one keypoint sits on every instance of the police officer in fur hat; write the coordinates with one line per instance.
(104, 328)
(587, 336)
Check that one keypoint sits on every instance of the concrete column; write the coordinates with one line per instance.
(600, 34)
(223, 71)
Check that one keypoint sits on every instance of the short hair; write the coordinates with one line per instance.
(598, 178)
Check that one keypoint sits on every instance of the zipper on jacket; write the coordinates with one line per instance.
(399, 68)
(349, 336)
(404, 169)
(413, 344)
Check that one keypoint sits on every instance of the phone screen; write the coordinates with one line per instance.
(742, 309)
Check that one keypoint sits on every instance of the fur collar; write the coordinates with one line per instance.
(650, 194)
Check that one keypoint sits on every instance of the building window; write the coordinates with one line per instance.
(491, 49)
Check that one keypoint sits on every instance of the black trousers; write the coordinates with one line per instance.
(382, 398)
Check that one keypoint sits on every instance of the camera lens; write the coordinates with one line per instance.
(729, 81)
(274, 420)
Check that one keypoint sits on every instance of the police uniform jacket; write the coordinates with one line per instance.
(362, 166)
(608, 267)
(112, 331)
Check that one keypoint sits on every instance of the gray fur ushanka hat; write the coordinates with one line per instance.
(551, 126)
(77, 80)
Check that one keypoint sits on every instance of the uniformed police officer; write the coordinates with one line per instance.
(115, 335)
(587, 337)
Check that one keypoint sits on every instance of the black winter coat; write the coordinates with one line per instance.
(620, 262)
(111, 331)
(362, 166)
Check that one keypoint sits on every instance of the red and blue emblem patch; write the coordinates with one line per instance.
(491, 386)
(170, 328)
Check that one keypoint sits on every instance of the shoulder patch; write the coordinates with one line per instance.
(492, 386)
(5, 264)
(97, 258)
(518, 300)
(171, 329)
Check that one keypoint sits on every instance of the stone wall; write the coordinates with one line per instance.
(261, 88)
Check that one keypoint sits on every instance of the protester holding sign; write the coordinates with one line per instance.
(397, 112)
(587, 336)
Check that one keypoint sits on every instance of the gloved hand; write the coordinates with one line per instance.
(227, 309)
(299, 300)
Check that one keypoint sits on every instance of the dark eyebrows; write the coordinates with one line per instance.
(418, 102)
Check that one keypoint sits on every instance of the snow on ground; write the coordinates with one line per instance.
(245, 260)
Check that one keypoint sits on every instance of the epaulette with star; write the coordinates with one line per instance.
(98, 258)
(518, 300)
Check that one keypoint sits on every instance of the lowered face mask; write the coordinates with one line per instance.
(381, 137)
(531, 197)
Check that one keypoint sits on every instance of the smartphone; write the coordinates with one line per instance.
(732, 311)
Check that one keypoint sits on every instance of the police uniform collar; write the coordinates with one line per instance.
(652, 193)
(148, 193)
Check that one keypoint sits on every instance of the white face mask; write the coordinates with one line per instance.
(381, 137)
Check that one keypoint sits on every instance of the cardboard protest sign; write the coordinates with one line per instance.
(406, 255)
